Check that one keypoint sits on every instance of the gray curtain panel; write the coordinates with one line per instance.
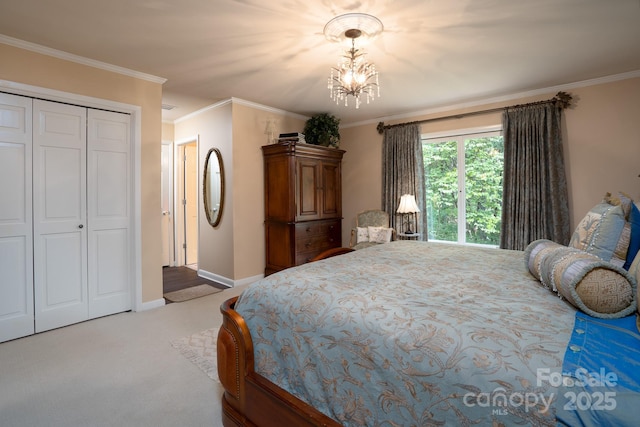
(403, 173)
(535, 198)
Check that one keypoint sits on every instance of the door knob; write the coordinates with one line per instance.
(80, 226)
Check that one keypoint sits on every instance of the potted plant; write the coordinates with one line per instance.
(322, 129)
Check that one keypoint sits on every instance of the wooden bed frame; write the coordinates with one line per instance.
(250, 399)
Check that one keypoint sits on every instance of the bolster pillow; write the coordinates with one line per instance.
(535, 253)
(597, 287)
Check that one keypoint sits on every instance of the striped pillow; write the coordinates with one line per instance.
(594, 286)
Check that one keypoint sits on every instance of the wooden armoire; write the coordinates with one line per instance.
(303, 202)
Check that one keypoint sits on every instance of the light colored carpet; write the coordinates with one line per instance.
(118, 370)
(191, 293)
(200, 349)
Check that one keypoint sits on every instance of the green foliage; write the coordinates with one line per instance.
(484, 163)
(322, 129)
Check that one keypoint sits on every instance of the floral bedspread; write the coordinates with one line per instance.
(412, 334)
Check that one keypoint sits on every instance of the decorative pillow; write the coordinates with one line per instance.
(634, 241)
(604, 232)
(623, 199)
(380, 234)
(599, 288)
(535, 252)
(363, 234)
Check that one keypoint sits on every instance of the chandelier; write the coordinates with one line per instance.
(354, 75)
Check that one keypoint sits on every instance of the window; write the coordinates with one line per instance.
(466, 166)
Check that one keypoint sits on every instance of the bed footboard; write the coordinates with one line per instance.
(249, 399)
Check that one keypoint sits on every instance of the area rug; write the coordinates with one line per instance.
(191, 293)
(200, 349)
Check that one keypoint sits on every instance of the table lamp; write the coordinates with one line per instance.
(408, 206)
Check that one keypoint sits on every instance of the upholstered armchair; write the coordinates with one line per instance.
(372, 228)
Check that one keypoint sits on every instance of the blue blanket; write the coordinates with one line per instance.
(601, 374)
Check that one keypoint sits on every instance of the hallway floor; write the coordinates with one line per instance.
(177, 278)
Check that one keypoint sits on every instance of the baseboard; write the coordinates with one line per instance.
(152, 304)
(230, 283)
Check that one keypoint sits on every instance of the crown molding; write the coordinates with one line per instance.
(239, 101)
(33, 47)
(202, 110)
(268, 109)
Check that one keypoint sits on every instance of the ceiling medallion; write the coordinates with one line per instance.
(353, 75)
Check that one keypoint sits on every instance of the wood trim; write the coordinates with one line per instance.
(249, 399)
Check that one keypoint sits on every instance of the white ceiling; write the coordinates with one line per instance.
(432, 53)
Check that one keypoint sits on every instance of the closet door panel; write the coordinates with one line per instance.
(109, 213)
(63, 280)
(61, 198)
(16, 249)
(59, 223)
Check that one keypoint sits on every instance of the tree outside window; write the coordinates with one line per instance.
(464, 168)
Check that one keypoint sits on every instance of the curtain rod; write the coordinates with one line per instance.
(562, 98)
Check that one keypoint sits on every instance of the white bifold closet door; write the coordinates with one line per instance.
(16, 240)
(59, 214)
(110, 249)
(65, 212)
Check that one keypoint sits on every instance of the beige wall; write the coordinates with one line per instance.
(29, 68)
(601, 140)
(235, 249)
(249, 124)
(213, 129)
(168, 131)
(603, 144)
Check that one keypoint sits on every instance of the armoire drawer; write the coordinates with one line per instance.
(314, 237)
(315, 228)
(313, 243)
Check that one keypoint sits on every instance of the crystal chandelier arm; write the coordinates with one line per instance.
(353, 76)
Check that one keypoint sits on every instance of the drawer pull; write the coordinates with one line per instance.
(308, 229)
(306, 245)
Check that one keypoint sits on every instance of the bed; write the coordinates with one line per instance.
(400, 334)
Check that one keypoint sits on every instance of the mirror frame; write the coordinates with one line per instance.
(205, 186)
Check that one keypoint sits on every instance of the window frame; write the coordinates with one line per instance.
(459, 136)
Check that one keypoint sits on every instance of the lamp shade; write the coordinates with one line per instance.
(408, 204)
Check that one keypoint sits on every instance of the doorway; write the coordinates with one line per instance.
(180, 214)
(186, 203)
(167, 204)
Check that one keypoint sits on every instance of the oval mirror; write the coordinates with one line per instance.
(213, 186)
